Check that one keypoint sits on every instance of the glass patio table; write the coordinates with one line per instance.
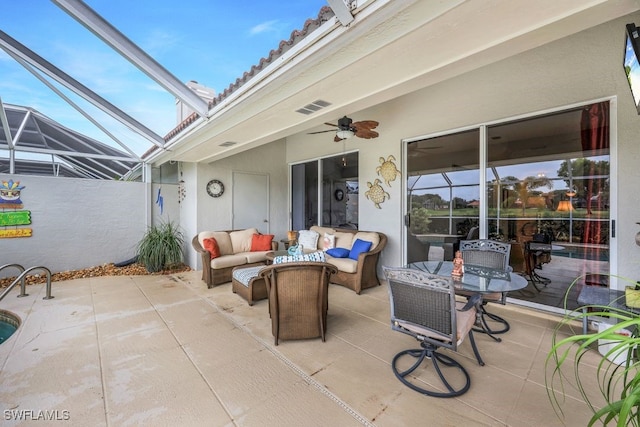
(475, 278)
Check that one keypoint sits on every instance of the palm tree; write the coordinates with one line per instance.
(524, 187)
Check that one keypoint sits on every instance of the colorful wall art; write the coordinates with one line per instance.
(12, 216)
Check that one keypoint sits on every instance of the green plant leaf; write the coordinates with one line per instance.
(619, 385)
(161, 247)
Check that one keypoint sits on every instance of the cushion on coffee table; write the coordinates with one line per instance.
(246, 283)
(244, 275)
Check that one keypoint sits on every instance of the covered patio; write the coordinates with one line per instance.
(165, 350)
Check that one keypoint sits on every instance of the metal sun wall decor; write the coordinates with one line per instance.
(389, 172)
(11, 214)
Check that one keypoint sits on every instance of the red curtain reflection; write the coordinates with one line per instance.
(595, 141)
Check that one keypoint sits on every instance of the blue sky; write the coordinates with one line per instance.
(211, 42)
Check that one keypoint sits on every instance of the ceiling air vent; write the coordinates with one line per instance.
(313, 107)
(228, 144)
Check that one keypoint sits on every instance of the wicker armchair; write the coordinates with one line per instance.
(366, 274)
(424, 306)
(298, 299)
(492, 254)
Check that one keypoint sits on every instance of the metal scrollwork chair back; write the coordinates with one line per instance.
(491, 254)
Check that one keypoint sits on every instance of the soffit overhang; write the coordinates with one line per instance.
(390, 49)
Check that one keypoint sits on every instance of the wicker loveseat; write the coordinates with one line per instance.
(354, 274)
(235, 250)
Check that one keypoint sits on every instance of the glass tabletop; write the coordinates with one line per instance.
(475, 278)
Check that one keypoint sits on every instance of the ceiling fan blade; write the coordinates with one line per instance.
(331, 124)
(366, 124)
(366, 133)
(321, 131)
(337, 138)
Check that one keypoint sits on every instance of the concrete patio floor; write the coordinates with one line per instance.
(167, 351)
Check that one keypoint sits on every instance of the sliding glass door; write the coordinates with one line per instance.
(546, 186)
(443, 193)
(548, 182)
(325, 192)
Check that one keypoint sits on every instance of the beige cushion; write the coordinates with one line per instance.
(346, 265)
(344, 240)
(228, 261)
(222, 239)
(241, 240)
(465, 320)
(372, 237)
(258, 256)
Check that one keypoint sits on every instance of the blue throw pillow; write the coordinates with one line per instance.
(338, 252)
(358, 247)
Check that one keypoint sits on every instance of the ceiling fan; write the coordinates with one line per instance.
(346, 128)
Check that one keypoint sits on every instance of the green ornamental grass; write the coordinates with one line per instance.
(618, 400)
(161, 247)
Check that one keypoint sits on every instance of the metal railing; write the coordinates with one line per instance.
(23, 284)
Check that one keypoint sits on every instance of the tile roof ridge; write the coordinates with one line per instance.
(295, 37)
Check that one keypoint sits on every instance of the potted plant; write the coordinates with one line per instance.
(161, 247)
(618, 384)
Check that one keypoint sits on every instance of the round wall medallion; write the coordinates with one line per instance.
(215, 188)
(339, 195)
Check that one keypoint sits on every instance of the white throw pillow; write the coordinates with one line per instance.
(328, 242)
(308, 239)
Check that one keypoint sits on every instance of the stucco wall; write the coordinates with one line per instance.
(217, 213)
(76, 223)
(577, 69)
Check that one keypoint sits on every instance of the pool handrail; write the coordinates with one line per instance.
(21, 280)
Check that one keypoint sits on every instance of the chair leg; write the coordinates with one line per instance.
(483, 326)
(495, 318)
(429, 352)
(475, 349)
(498, 319)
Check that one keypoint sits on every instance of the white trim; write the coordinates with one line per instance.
(484, 212)
(613, 191)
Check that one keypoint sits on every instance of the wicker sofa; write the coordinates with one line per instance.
(355, 275)
(235, 250)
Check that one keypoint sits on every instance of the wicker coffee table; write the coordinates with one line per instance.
(271, 255)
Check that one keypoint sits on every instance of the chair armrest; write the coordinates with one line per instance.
(198, 248)
(364, 255)
(475, 300)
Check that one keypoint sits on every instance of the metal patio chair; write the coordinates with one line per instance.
(491, 254)
(424, 306)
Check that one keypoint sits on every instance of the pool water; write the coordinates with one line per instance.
(586, 253)
(9, 323)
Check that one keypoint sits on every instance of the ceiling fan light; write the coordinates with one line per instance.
(344, 133)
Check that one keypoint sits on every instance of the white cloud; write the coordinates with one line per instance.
(265, 27)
